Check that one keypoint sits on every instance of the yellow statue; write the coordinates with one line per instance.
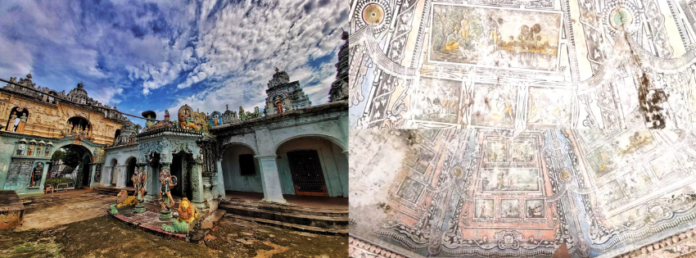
(124, 200)
(187, 212)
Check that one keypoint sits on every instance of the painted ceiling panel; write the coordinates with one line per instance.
(485, 192)
(523, 64)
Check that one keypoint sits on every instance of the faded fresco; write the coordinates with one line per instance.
(495, 37)
(471, 203)
(599, 64)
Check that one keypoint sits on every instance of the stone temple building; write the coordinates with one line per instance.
(38, 121)
(289, 148)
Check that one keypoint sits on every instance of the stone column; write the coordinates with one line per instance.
(272, 191)
(43, 176)
(93, 173)
(220, 180)
(152, 183)
(197, 185)
(106, 180)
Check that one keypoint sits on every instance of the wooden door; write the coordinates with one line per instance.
(307, 175)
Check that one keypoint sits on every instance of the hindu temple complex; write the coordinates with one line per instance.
(179, 174)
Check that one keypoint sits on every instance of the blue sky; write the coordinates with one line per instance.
(161, 54)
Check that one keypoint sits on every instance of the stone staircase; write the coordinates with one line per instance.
(113, 190)
(315, 220)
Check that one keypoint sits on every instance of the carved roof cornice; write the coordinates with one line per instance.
(326, 112)
(168, 131)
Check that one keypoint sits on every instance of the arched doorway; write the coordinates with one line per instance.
(312, 166)
(182, 163)
(114, 163)
(76, 158)
(85, 170)
(240, 170)
(130, 170)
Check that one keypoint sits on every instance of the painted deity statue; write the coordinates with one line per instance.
(278, 105)
(168, 182)
(22, 122)
(150, 122)
(139, 178)
(241, 114)
(166, 116)
(10, 124)
(185, 119)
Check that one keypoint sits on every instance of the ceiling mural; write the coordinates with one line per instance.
(492, 192)
(520, 64)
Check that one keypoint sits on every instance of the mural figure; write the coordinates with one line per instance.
(535, 209)
(495, 37)
(22, 122)
(439, 100)
(510, 209)
(39, 149)
(97, 174)
(484, 208)
(36, 175)
(31, 149)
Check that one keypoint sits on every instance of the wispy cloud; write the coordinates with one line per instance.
(157, 55)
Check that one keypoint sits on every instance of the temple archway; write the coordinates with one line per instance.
(81, 164)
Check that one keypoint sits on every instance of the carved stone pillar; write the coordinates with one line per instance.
(197, 185)
(272, 191)
(152, 183)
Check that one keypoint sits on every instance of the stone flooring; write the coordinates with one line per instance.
(86, 230)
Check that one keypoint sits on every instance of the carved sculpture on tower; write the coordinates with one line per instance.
(289, 94)
(186, 120)
(339, 88)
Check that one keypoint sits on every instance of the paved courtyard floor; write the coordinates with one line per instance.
(76, 224)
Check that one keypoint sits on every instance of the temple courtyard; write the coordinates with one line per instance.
(76, 224)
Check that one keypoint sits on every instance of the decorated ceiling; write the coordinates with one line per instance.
(523, 64)
(485, 192)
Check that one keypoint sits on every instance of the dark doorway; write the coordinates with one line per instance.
(130, 170)
(178, 173)
(86, 164)
(181, 162)
(307, 175)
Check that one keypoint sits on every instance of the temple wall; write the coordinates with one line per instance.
(47, 120)
(7, 147)
(231, 174)
(121, 155)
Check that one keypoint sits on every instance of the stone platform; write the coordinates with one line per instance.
(149, 220)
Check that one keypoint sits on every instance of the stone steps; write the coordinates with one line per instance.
(279, 224)
(323, 221)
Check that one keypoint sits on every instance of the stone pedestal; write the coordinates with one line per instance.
(139, 208)
(165, 215)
